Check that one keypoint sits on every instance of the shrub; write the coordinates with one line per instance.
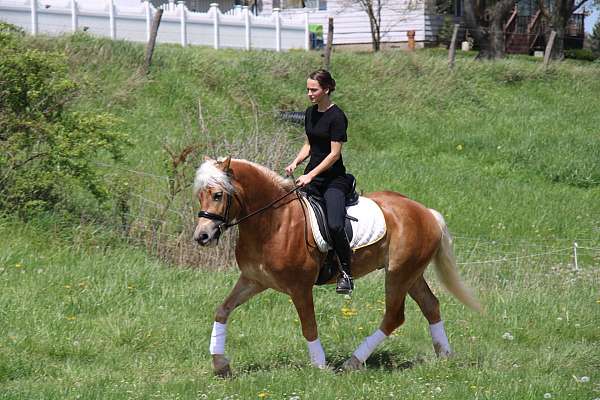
(47, 152)
(580, 54)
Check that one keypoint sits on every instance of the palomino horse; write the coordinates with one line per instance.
(273, 253)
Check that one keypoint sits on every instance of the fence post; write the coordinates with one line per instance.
(111, 16)
(306, 31)
(215, 9)
(452, 50)
(277, 29)
(246, 12)
(74, 15)
(171, 5)
(549, 46)
(148, 19)
(182, 7)
(34, 17)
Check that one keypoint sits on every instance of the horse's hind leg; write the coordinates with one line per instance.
(243, 290)
(395, 296)
(430, 306)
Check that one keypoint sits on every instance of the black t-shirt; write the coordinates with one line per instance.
(322, 128)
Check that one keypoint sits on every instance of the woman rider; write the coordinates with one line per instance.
(325, 125)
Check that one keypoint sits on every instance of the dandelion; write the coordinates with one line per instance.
(459, 147)
(584, 379)
(349, 312)
(507, 336)
(547, 396)
(263, 394)
(67, 286)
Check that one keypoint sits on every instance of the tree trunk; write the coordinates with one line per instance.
(490, 36)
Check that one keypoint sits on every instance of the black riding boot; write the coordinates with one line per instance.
(345, 284)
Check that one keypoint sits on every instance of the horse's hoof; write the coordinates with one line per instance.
(221, 366)
(442, 352)
(352, 364)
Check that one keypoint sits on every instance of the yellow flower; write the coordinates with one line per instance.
(349, 312)
(71, 318)
(67, 286)
(262, 395)
(459, 147)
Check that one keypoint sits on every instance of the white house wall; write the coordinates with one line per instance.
(351, 24)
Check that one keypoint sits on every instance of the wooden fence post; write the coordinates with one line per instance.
(549, 46)
(74, 15)
(452, 50)
(152, 41)
(329, 46)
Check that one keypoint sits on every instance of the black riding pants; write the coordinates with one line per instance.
(335, 204)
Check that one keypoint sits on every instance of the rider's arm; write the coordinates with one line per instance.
(332, 157)
(303, 153)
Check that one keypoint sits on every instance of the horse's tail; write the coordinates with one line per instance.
(447, 271)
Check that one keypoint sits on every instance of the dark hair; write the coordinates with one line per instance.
(324, 78)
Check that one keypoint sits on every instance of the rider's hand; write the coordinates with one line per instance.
(303, 180)
(290, 168)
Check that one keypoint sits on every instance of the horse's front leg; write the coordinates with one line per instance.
(243, 290)
(303, 301)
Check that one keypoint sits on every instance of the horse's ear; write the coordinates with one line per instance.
(224, 165)
(207, 158)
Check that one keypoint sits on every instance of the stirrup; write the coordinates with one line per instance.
(345, 284)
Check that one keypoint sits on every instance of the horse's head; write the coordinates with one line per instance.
(215, 191)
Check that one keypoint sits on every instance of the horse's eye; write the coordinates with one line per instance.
(218, 196)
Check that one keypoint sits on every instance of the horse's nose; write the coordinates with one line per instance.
(202, 239)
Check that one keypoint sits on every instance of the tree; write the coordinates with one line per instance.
(595, 40)
(485, 20)
(558, 14)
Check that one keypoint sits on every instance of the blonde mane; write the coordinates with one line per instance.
(209, 175)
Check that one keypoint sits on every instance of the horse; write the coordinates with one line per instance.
(275, 250)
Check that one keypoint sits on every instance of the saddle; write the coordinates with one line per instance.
(330, 267)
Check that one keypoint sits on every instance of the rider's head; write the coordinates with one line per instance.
(325, 80)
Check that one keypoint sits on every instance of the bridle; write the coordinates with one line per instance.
(223, 219)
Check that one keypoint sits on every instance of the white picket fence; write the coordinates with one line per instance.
(233, 29)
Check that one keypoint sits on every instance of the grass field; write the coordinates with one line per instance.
(508, 152)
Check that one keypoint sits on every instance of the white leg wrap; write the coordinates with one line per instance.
(439, 338)
(368, 345)
(217, 339)
(317, 355)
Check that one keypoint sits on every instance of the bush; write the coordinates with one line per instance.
(580, 54)
(47, 152)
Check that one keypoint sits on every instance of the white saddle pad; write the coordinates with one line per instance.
(369, 228)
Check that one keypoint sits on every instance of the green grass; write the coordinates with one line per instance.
(508, 152)
(486, 144)
(107, 322)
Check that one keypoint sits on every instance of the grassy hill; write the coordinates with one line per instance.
(508, 152)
